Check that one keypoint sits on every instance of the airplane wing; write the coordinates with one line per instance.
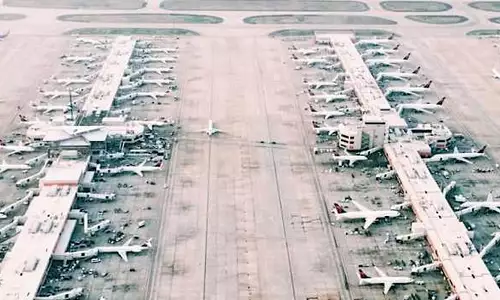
(495, 209)
(2, 169)
(331, 132)
(424, 110)
(138, 172)
(360, 207)
(387, 287)
(380, 272)
(411, 93)
(123, 255)
(369, 221)
(464, 160)
(13, 152)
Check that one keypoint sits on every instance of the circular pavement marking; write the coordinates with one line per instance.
(483, 32)
(310, 32)
(142, 18)
(265, 5)
(76, 4)
(486, 5)
(319, 19)
(415, 6)
(132, 31)
(438, 20)
(11, 17)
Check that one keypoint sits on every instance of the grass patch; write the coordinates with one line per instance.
(319, 19)
(263, 5)
(142, 18)
(415, 6)
(310, 32)
(132, 31)
(11, 17)
(438, 20)
(74, 4)
(486, 5)
(484, 32)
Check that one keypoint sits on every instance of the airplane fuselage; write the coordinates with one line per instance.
(384, 280)
(358, 215)
(448, 156)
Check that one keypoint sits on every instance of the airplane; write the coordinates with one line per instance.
(159, 82)
(325, 128)
(387, 281)
(419, 106)
(125, 248)
(496, 74)
(380, 51)
(325, 113)
(164, 60)
(409, 90)
(56, 94)
(349, 157)
(131, 86)
(153, 95)
(150, 124)
(4, 211)
(306, 52)
(20, 148)
(3, 36)
(390, 62)
(71, 294)
(50, 108)
(463, 157)
(91, 41)
(77, 59)
(328, 97)
(376, 42)
(25, 121)
(370, 216)
(139, 169)
(157, 50)
(158, 71)
(311, 61)
(6, 167)
(472, 206)
(211, 130)
(370, 151)
(405, 76)
(69, 81)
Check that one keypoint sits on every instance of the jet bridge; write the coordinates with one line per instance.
(106, 84)
(24, 267)
(365, 86)
(461, 263)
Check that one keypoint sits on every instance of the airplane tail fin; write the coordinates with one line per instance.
(159, 164)
(23, 118)
(482, 149)
(396, 48)
(312, 109)
(407, 56)
(149, 243)
(362, 274)
(490, 197)
(143, 162)
(310, 92)
(315, 124)
(440, 102)
(338, 209)
(455, 150)
(416, 70)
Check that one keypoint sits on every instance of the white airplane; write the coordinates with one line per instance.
(164, 60)
(380, 51)
(50, 108)
(387, 281)
(304, 51)
(339, 96)
(7, 167)
(211, 129)
(496, 74)
(370, 216)
(19, 148)
(6, 210)
(56, 94)
(90, 41)
(71, 294)
(472, 206)
(158, 71)
(157, 50)
(3, 36)
(376, 42)
(25, 121)
(325, 113)
(311, 61)
(153, 95)
(125, 248)
(349, 157)
(151, 124)
(77, 59)
(409, 90)
(69, 81)
(132, 86)
(463, 157)
(159, 82)
(324, 128)
(390, 62)
(405, 76)
(420, 106)
(139, 169)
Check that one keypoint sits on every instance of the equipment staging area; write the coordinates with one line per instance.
(244, 208)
